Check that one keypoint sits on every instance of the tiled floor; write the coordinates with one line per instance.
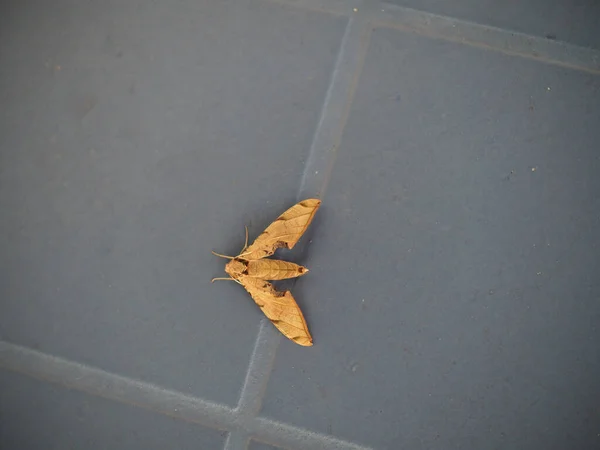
(453, 294)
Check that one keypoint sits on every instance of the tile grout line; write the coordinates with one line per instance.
(315, 177)
(290, 437)
(177, 405)
(255, 384)
(119, 388)
(334, 113)
(465, 32)
(487, 37)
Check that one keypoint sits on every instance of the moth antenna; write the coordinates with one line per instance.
(222, 256)
(246, 242)
(219, 278)
(241, 255)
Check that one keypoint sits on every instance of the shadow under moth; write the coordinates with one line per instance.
(252, 271)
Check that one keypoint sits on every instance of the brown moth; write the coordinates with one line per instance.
(252, 271)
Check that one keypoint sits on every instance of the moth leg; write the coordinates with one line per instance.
(222, 256)
(219, 278)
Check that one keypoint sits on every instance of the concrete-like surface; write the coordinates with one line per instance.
(453, 294)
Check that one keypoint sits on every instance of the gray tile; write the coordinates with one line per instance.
(574, 22)
(135, 137)
(260, 446)
(34, 414)
(453, 292)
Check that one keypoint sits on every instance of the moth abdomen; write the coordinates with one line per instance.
(274, 269)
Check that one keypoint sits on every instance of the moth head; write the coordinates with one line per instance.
(235, 268)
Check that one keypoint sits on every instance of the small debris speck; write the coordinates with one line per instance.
(355, 9)
(533, 169)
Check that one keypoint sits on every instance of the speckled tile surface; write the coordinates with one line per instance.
(452, 293)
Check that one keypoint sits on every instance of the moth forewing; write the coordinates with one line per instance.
(284, 232)
(281, 309)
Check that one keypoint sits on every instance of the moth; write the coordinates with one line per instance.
(252, 271)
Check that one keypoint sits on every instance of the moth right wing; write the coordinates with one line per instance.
(280, 308)
(284, 232)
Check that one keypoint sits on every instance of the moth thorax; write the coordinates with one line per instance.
(235, 268)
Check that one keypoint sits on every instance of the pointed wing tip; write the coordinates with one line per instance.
(305, 341)
(311, 202)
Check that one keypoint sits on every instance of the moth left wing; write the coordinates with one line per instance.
(280, 308)
(284, 232)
